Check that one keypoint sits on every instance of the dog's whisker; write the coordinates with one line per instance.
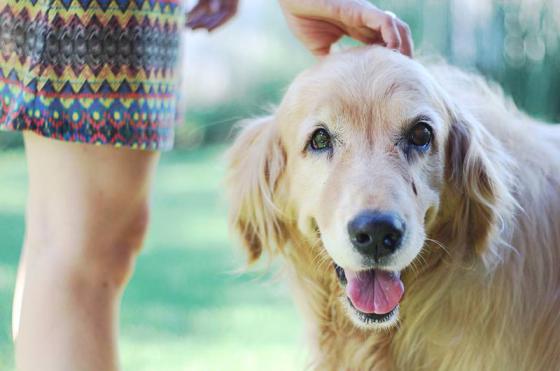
(326, 261)
(422, 258)
(414, 267)
(440, 244)
(321, 260)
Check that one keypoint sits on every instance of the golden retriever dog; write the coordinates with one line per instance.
(417, 212)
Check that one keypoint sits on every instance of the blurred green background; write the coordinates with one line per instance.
(188, 307)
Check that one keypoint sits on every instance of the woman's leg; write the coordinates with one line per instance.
(86, 218)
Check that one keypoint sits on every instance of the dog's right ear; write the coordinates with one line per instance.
(255, 166)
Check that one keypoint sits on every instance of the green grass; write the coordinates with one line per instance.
(187, 307)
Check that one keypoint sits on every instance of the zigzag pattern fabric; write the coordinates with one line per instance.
(91, 71)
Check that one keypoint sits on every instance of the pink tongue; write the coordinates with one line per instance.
(374, 291)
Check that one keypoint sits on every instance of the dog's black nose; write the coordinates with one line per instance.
(376, 234)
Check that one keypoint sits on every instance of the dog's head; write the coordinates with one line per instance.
(359, 155)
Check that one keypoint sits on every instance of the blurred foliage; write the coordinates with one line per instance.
(215, 125)
(514, 42)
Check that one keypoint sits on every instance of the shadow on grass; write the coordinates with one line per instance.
(171, 286)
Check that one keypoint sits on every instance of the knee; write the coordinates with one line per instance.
(87, 209)
(114, 260)
(98, 247)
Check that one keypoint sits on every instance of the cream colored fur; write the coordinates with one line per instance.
(484, 291)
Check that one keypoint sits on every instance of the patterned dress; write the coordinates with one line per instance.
(91, 71)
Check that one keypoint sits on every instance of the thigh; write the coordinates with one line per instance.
(85, 195)
(77, 168)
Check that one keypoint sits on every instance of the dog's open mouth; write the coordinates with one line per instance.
(374, 294)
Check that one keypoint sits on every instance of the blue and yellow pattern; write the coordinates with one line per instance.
(91, 71)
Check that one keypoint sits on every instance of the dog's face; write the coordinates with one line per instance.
(364, 170)
(355, 156)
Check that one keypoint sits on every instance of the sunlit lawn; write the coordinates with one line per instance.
(186, 307)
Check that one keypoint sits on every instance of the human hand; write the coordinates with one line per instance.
(320, 23)
(211, 14)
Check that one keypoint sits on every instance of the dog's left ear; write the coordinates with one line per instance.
(479, 175)
(255, 165)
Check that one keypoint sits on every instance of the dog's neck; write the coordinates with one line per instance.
(319, 295)
(336, 341)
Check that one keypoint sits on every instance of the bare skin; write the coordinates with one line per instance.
(211, 14)
(318, 24)
(86, 218)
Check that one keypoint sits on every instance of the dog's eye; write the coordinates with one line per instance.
(320, 140)
(420, 135)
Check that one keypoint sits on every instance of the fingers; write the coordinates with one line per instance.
(365, 35)
(211, 22)
(322, 51)
(194, 16)
(390, 32)
(219, 20)
(394, 33)
(407, 45)
(208, 22)
(211, 14)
